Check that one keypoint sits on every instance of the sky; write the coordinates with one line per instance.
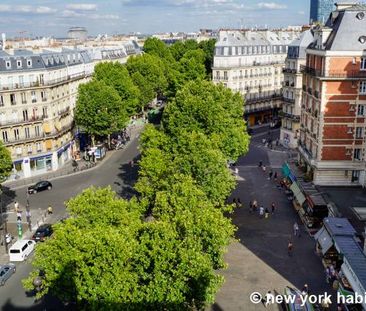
(55, 17)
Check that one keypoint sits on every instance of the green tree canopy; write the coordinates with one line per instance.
(192, 66)
(154, 46)
(151, 69)
(107, 257)
(116, 75)
(6, 164)
(213, 110)
(99, 109)
(191, 154)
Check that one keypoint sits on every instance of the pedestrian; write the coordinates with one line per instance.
(131, 163)
(264, 168)
(261, 212)
(49, 210)
(273, 207)
(266, 213)
(290, 248)
(16, 206)
(250, 206)
(305, 290)
(236, 171)
(19, 215)
(239, 202)
(235, 202)
(328, 275)
(260, 164)
(267, 299)
(270, 174)
(255, 205)
(275, 176)
(296, 229)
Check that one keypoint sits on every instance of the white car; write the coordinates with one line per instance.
(20, 250)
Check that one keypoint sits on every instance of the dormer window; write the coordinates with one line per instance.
(360, 15)
(29, 63)
(19, 63)
(362, 39)
(8, 64)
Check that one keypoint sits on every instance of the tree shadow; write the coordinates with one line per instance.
(128, 176)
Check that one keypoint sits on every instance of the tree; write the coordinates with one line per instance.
(99, 109)
(154, 46)
(208, 47)
(213, 110)
(106, 257)
(190, 154)
(6, 164)
(151, 68)
(192, 66)
(117, 76)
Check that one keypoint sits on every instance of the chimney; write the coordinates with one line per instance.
(3, 39)
(341, 5)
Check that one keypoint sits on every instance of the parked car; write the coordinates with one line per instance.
(20, 250)
(6, 271)
(43, 232)
(40, 186)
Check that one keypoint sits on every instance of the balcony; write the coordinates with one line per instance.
(263, 99)
(288, 100)
(289, 115)
(19, 86)
(220, 78)
(333, 74)
(288, 70)
(43, 136)
(64, 112)
(35, 119)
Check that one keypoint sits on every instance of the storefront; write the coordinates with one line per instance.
(339, 248)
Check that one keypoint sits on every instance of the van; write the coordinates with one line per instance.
(20, 250)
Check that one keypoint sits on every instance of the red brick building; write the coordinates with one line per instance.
(333, 109)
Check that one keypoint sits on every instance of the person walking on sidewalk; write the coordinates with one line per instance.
(275, 176)
(290, 248)
(264, 168)
(296, 229)
(49, 210)
(273, 207)
(16, 206)
(19, 216)
(266, 213)
(270, 175)
(261, 211)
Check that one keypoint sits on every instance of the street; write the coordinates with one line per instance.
(257, 262)
(115, 172)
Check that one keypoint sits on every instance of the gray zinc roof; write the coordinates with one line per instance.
(303, 42)
(339, 226)
(348, 26)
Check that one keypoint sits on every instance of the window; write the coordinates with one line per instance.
(5, 136)
(39, 147)
(45, 115)
(12, 99)
(19, 63)
(29, 149)
(363, 63)
(37, 130)
(24, 99)
(359, 132)
(1, 101)
(26, 132)
(18, 151)
(361, 110)
(34, 98)
(8, 64)
(357, 154)
(363, 87)
(29, 63)
(25, 115)
(16, 134)
(43, 96)
(355, 176)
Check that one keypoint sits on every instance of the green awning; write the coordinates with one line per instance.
(297, 193)
(286, 170)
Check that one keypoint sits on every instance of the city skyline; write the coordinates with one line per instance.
(51, 17)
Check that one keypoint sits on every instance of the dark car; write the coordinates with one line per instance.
(6, 271)
(43, 232)
(40, 186)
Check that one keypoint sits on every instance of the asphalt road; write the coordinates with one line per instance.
(115, 172)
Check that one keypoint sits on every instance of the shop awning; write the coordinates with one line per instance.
(297, 193)
(46, 128)
(324, 239)
(48, 144)
(285, 170)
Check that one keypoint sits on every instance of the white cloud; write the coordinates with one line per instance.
(26, 9)
(271, 6)
(82, 6)
(73, 14)
(70, 13)
(103, 16)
